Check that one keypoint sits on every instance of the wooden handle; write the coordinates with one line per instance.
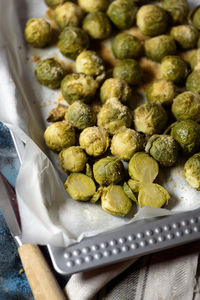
(42, 282)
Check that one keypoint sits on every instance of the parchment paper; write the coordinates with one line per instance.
(48, 214)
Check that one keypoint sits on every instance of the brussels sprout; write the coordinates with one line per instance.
(108, 170)
(114, 115)
(80, 115)
(38, 32)
(94, 140)
(193, 81)
(115, 88)
(177, 9)
(134, 185)
(152, 20)
(192, 171)
(73, 159)
(125, 45)
(185, 35)
(150, 118)
(54, 3)
(49, 73)
(115, 202)
(59, 135)
(128, 70)
(97, 25)
(174, 68)
(143, 168)
(78, 86)
(122, 13)
(80, 186)
(195, 17)
(160, 46)
(161, 92)
(129, 192)
(57, 114)
(68, 14)
(93, 5)
(195, 60)
(187, 134)
(90, 63)
(72, 41)
(163, 148)
(187, 106)
(125, 143)
(97, 195)
(153, 195)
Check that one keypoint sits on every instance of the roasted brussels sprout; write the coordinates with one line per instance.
(187, 134)
(129, 192)
(49, 72)
(78, 86)
(153, 195)
(177, 9)
(195, 18)
(161, 92)
(68, 14)
(195, 60)
(152, 20)
(54, 3)
(160, 46)
(185, 35)
(90, 63)
(93, 5)
(126, 142)
(187, 106)
(73, 159)
(59, 135)
(115, 88)
(38, 32)
(192, 171)
(114, 115)
(108, 170)
(80, 115)
(163, 148)
(122, 13)
(72, 41)
(80, 187)
(174, 68)
(97, 25)
(115, 202)
(150, 118)
(57, 113)
(94, 140)
(193, 81)
(128, 70)
(125, 45)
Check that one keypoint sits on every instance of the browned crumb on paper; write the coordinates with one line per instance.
(60, 98)
(35, 58)
(151, 72)
(57, 113)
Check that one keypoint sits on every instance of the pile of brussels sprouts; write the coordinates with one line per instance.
(93, 145)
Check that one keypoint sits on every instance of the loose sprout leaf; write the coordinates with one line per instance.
(97, 195)
(129, 192)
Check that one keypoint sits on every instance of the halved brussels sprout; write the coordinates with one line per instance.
(177, 9)
(73, 159)
(185, 35)
(174, 68)
(129, 192)
(193, 81)
(161, 91)
(97, 25)
(128, 70)
(153, 195)
(192, 171)
(54, 3)
(93, 5)
(125, 45)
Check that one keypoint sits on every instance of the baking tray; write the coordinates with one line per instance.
(130, 241)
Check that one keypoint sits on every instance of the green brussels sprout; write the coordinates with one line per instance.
(73, 159)
(150, 118)
(125, 143)
(195, 17)
(153, 195)
(122, 13)
(38, 32)
(115, 88)
(174, 68)
(59, 135)
(177, 9)
(125, 45)
(163, 148)
(194, 60)
(160, 46)
(128, 70)
(90, 63)
(108, 170)
(187, 106)
(94, 140)
(93, 5)
(193, 81)
(54, 3)
(114, 115)
(72, 41)
(152, 20)
(187, 134)
(161, 91)
(185, 35)
(68, 14)
(49, 72)
(78, 86)
(129, 192)
(115, 202)
(80, 115)
(192, 171)
(97, 25)
(80, 187)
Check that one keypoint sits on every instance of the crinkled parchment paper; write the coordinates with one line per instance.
(48, 215)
